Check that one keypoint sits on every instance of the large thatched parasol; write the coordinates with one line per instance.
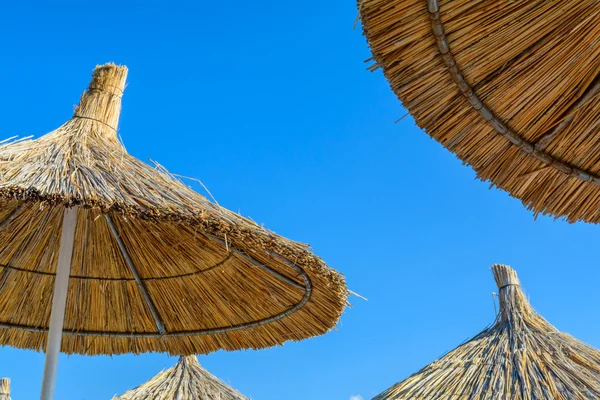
(186, 380)
(4, 389)
(521, 356)
(142, 262)
(511, 87)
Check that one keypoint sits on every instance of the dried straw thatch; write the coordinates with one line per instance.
(4, 389)
(187, 380)
(511, 87)
(520, 357)
(156, 266)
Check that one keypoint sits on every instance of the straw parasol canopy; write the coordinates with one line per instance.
(186, 380)
(155, 266)
(4, 389)
(521, 356)
(510, 87)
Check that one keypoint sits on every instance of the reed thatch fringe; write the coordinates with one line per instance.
(156, 266)
(510, 87)
(520, 357)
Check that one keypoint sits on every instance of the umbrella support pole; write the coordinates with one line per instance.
(59, 301)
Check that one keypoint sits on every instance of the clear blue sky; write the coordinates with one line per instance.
(270, 104)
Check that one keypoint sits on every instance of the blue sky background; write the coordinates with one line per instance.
(270, 104)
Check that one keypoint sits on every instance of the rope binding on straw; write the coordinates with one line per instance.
(97, 120)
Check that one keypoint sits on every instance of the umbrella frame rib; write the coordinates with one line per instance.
(159, 323)
(59, 301)
(12, 216)
(307, 284)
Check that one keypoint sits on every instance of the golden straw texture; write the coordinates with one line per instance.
(156, 266)
(4, 389)
(187, 380)
(520, 357)
(510, 87)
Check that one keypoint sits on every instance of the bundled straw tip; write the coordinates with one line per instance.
(110, 66)
(504, 275)
(109, 77)
(5, 386)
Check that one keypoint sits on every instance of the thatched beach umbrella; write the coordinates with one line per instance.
(110, 255)
(520, 357)
(511, 87)
(187, 380)
(4, 389)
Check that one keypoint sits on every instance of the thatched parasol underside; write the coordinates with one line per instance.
(521, 357)
(156, 266)
(187, 380)
(511, 87)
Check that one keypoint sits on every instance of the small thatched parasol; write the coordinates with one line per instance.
(4, 389)
(520, 357)
(186, 380)
(142, 262)
(511, 87)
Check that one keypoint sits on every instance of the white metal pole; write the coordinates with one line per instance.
(59, 300)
